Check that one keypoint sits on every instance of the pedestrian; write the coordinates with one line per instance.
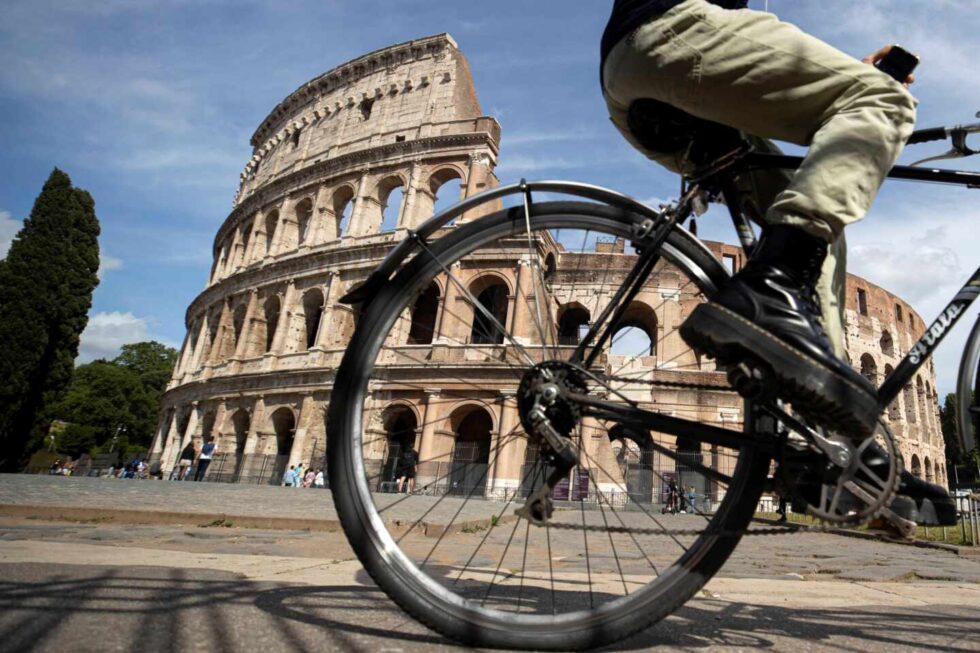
(406, 469)
(207, 453)
(186, 460)
(319, 481)
(310, 477)
(692, 498)
(298, 475)
(289, 478)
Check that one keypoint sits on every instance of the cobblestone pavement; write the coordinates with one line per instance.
(153, 587)
(220, 499)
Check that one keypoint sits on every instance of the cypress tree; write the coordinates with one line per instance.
(46, 285)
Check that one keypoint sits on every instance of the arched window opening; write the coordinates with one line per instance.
(908, 398)
(241, 422)
(928, 470)
(271, 224)
(636, 333)
(688, 455)
(294, 137)
(313, 313)
(492, 296)
(271, 310)
(916, 467)
(894, 410)
(938, 474)
(367, 104)
(391, 209)
(343, 206)
(921, 394)
(284, 428)
(447, 188)
(887, 344)
(207, 425)
(549, 268)
(424, 317)
(573, 324)
(635, 457)
(869, 369)
(304, 218)
(238, 321)
(246, 234)
(400, 427)
(471, 452)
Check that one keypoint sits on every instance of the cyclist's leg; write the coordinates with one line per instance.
(708, 61)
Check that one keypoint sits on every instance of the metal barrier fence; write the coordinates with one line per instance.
(968, 508)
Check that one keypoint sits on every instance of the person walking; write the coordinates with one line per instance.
(406, 469)
(204, 460)
(319, 481)
(289, 478)
(186, 460)
(298, 475)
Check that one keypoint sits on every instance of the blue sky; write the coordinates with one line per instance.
(149, 104)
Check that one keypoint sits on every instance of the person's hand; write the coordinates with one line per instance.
(878, 55)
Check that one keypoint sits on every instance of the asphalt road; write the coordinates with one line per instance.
(97, 587)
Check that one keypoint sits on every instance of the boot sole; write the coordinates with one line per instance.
(927, 512)
(815, 391)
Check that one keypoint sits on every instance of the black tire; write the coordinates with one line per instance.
(968, 391)
(416, 591)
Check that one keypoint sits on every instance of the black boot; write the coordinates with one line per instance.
(766, 314)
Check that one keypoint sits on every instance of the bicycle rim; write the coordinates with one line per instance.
(454, 555)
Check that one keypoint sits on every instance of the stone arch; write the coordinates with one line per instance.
(929, 470)
(915, 466)
(938, 474)
(869, 369)
(635, 456)
(492, 292)
(550, 267)
(894, 410)
(282, 423)
(908, 398)
(636, 332)
(245, 236)
(238, 322)
(920, 393)
(473, 427)
(241, 422)
(443, 192)
(342, 205)
(271, 227)
(270, 311)
(401, 425)
(313, 305)
(887, 343)
(304, 221)
(573, 318)
(389, 204)
(424, 313)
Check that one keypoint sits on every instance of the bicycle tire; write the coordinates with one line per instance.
(968, 391)
(399, 576)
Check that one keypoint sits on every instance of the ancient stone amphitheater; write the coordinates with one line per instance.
(341, 168)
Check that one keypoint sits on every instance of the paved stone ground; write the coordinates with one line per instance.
(103, 587)
(206, 501)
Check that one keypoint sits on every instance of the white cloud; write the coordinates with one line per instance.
(107, 332)
(108, 264)
(8, 229)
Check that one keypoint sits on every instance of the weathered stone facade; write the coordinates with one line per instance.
(313, 216)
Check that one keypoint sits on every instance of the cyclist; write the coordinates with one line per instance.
(720, 61)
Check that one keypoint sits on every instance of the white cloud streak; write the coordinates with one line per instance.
(8, 229)
(106, 333)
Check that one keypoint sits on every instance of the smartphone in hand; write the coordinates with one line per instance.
(898, 63)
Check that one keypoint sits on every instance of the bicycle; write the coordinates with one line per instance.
(530, 302)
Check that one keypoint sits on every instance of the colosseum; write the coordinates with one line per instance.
(341, 169)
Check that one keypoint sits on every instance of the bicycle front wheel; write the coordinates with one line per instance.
(436, 365)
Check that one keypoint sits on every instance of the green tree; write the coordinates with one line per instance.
(115, 403)
(46, 285)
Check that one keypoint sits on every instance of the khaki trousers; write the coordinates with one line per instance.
(749, 70)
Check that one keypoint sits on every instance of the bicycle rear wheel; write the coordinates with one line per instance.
(437, 360)
(968, 391)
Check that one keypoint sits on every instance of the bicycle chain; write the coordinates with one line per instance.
(782, 530)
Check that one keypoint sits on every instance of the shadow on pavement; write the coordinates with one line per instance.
(80, 607)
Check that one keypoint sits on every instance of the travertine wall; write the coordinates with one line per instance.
(312, 218)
